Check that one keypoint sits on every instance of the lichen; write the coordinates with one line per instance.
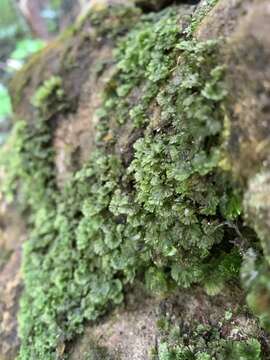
(165, 217)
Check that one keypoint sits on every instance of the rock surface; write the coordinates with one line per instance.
(12, 234)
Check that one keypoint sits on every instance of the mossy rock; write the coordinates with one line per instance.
(125, 167)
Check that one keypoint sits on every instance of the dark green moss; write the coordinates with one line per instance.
(165, 216)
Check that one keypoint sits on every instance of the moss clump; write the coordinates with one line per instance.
(204, 343)
(164, 217)
(49, 97)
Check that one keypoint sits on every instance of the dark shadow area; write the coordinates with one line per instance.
(149, 6)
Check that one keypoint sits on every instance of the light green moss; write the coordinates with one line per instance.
(49, 95)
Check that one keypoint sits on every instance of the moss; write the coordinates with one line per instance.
(202, 10)
(203, 342)
(166, 216)
(206, 340)
(50, 98)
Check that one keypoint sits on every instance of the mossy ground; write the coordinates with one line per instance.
(164, 212)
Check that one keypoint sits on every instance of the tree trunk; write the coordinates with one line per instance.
(31, 10)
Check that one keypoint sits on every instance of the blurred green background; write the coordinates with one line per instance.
(18, 42)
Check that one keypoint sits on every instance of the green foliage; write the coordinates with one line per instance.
(9, 25)
(164, 218)
(144, 59)
(26, 47)
(204, 343)
(5, 103)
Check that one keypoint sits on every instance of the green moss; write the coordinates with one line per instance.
(166, 218)
(203, 9)
(49, 97)
(203, 342)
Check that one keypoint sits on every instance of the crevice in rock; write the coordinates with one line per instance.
(157, 5)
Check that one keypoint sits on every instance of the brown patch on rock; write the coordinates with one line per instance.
(12, 227)
(127, 333)
(10, 290)
(68, 57)
(131, 332)
(82, 57)
(223, 19)
(249, 84)
(74, 137)
(12, 234)
(192, 307)
(257, 206)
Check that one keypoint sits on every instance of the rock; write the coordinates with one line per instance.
(10, 290)
(12, 235)
(249, 81)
